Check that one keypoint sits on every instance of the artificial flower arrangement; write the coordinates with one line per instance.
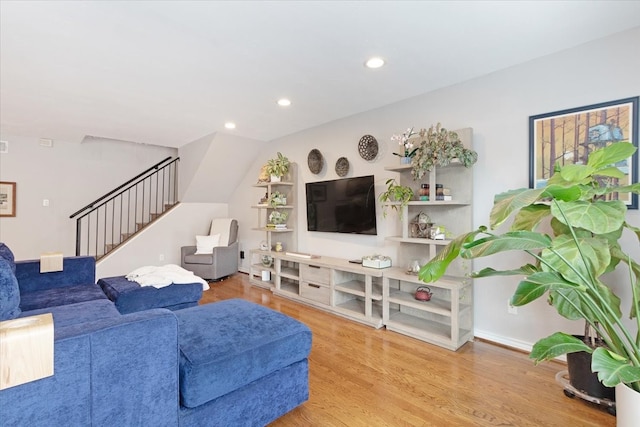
(407, 146)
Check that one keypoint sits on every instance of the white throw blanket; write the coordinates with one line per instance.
(164, 275)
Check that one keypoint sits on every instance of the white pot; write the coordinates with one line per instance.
(627, 406)
(275, 178)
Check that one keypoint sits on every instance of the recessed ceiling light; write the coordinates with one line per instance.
(284, 102)
(230, 125)
(375, 62)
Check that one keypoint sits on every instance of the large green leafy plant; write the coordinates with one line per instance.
(571, 229)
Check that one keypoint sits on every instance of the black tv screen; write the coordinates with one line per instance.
(345, 205)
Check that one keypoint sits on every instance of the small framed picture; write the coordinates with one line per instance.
(7, 198)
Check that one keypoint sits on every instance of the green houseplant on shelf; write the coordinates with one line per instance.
(397, 196)
(278, 167)
(439, 147)
(571, 229)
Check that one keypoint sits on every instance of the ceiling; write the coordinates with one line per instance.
(170, 72)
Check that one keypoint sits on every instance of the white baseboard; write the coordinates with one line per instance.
(509, 342)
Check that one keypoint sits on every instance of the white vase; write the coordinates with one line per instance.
(627, 406)
(275, 178)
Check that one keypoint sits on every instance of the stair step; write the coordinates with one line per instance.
(140, 225)
(154, 216)
(125, 236)
(110, 246)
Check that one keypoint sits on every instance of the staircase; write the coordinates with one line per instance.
(112, 219)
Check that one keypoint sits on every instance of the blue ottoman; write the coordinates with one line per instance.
(237, 348)
(130, 297)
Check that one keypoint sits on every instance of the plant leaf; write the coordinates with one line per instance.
(556, 345)
(513, 240)
(613, 368)
(598, 217)
(525, 270)
(577, 173)
(610, 154)
(506, 203)
(537, 284)
(529, 217)
(436, 267)
(611, 172)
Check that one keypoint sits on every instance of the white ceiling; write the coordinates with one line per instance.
(169, 72)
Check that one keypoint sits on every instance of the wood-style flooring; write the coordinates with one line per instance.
(360, 376)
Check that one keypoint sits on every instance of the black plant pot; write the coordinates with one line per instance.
(581, 377)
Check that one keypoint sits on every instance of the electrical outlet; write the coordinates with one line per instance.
(511, 309)
(241, 254)
(161, 257)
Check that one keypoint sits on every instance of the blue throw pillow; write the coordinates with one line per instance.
(9, 292)
(6, 253)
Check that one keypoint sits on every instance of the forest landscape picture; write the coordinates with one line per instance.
(568, 136)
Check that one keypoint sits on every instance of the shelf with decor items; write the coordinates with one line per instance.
(445, 320)
(286, 233)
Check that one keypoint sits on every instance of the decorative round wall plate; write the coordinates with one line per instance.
(315, 161)
(368, 147)
(342, 166)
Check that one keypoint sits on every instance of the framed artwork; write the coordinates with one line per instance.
(7, 198)
(568, 136)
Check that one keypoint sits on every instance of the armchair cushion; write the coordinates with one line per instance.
(9, 292)
(205, 244)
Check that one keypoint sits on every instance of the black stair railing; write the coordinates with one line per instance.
(108, 221)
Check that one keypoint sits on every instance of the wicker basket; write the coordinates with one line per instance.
(315, 161)
(368, 147)
(342, 166)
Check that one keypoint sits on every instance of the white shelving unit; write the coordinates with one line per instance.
(287, 236)
(447, 319)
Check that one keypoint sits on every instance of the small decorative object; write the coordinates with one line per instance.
(7, 198)
(278, 167)
(395, 194)
(264, 175)
(315, 161)
(368, 147)
(277, 199)
(437, 233)
(414, 267)
(420, 226)
(277, 218)
(266, 260)
(439, 147)
(423, 293)
(278, 246)
(408, 151)
(376, 261)
(423, 194)
(342, 166)
(264, 246)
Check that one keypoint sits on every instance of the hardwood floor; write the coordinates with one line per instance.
(360, 376)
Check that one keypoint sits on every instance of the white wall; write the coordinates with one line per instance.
(160, 242)
(497, 107)
(70, 175)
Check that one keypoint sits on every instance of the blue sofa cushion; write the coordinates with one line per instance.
(130, 297)
(6, 253)
(229, 344)
(78, 313)
(9, 292)
(60, 296)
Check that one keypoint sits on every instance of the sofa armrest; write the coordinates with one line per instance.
(75, 271)
(187, 250)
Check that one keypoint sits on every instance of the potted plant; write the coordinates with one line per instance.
(277, 199)
(278, 219)
(403, 140)
(278, 167)
(586, 222)
(439, 147)
(397, 197)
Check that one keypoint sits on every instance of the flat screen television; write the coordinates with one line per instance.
(345, 205)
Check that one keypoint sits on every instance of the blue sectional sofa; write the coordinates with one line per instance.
(231, 363)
